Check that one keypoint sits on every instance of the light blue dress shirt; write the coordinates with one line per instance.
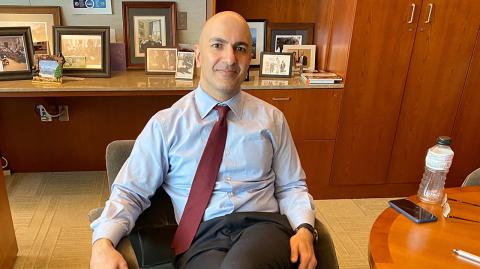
(260, 170)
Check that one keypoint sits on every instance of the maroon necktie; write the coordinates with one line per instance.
(203, 183)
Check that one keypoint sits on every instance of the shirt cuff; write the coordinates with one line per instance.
(112, 231)
(300, 217)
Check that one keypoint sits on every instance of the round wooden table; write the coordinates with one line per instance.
(397, 242)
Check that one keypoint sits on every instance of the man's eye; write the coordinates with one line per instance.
(241, 49)
(216, 45)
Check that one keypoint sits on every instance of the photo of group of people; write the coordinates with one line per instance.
(82, 51)
(161, 60)
(12, 54)
(185, 65)
(275, 64)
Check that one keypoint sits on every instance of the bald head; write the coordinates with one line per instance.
(223, 54)
(225, 19)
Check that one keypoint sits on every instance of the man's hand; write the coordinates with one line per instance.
(104, 255)
(301, 244)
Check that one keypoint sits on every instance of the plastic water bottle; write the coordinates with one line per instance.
(438, 161)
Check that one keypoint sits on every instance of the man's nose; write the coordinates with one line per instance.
(229, 55)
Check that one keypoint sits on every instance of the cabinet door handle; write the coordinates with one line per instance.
(429, 13)
(412, 14)
(281, 98)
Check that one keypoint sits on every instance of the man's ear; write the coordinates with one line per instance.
(198, 62)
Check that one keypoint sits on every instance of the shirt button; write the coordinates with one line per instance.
(227, 152)
(230, 194)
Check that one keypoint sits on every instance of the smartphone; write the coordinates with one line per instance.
(412, 211)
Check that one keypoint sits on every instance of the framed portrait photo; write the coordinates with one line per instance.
(258, 30)
(16, 53)
(160, 60)
(49, 68)
(40, 19)
(279, 34)
(86, 50)
(147, 24)
(185, 65)
(302, 54)
(274, 64)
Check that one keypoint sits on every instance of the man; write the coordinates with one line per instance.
(259, 194)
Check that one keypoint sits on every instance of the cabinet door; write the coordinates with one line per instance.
(465, 137)
(380, 50)
(446, 35)
(285, 100)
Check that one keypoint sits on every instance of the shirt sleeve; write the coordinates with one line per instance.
(138, 179)
(290, 186)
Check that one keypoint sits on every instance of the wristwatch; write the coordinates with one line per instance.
(310, 228)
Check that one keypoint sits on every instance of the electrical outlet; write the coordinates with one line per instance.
(63, 111)
(44, 115)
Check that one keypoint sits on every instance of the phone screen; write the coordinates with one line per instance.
(412, 210)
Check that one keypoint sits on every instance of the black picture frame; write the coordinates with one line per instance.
(89, 34)
(259, 38)
(139, 13)
(276, 64)
(305, 30)
(19, 51)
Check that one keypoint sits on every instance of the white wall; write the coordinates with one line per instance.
(196, 10)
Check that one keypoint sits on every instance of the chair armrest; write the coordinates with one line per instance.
(324, 249)
(94, 214)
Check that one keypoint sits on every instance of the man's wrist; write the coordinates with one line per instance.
(310, 228)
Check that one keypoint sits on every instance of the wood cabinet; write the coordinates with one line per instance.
(312, 116)
(407, 66)
(8, 242)
(444, 43)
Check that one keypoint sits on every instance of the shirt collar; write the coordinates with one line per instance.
(205, 103)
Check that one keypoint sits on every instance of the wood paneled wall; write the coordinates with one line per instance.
(79, 144)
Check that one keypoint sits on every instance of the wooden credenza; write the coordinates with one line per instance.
(103, 110)
(8, 242)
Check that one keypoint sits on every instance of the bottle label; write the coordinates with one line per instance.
(439, 159)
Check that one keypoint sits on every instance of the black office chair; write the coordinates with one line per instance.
(148, 245)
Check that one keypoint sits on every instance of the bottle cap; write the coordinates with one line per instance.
(444, 140)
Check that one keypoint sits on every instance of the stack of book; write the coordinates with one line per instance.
(321, 78)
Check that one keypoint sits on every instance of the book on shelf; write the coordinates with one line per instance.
(321, 77)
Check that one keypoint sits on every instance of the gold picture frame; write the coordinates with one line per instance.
(40, 19)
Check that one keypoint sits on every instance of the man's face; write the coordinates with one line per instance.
(224, 54)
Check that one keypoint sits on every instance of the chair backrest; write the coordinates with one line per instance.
(116, 154)
(161, 210)
(473, 179)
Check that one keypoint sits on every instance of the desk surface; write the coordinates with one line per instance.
(135, 82)
(397, 242)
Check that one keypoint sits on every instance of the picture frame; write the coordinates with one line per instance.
(16, 53)
(48, 68)
(308, 51)
(40, 19)
(86, 50)
(185, 67)
(276, 64)
(160, 60)
(279, 34)
(258, 30)
(147, 24)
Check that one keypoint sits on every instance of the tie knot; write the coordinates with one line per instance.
(222, 111)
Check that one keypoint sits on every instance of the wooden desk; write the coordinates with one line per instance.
(8, 242)
(397, 242)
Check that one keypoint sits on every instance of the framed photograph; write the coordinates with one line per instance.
(279, 34)
(160, 60)
(92, 7)
(276, 64)
(258, 30)
(16, 53)
(185, 65)
(40, 19)
(305, 53)
(147, 24)
(49, 68)
(86, 50)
